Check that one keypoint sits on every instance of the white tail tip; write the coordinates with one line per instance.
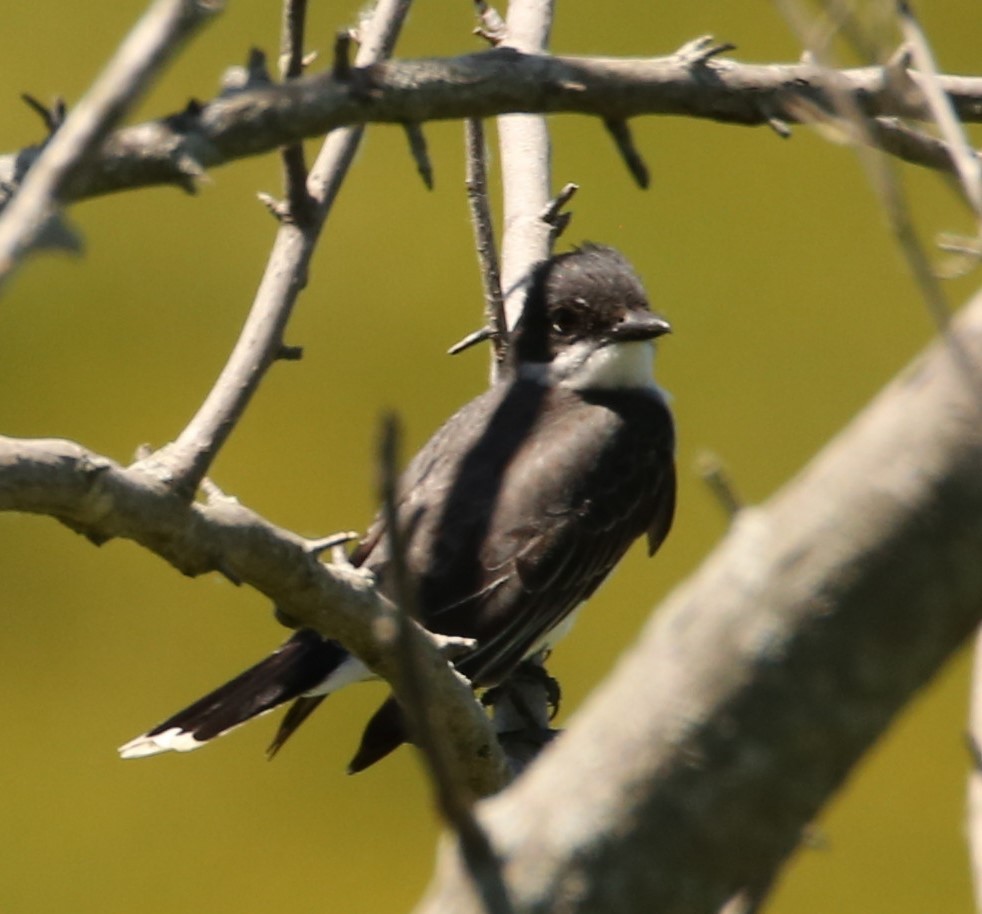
(175, 740)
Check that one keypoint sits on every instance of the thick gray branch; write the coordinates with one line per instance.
(475, 85)
(691, 773)
(99, 498)
(973, 824)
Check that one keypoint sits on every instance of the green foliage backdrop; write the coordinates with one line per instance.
(791, 308)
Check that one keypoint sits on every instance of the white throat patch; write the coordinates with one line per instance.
(584, 367)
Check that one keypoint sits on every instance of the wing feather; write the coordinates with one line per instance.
(510, 530)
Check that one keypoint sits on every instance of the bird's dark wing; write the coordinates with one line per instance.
(507, 532)
(661, 521)
(560, 530)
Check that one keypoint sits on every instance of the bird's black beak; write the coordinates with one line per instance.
(639, 325)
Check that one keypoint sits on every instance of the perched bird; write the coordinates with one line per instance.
(513, 513)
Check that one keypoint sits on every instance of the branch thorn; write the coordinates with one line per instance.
(333, 541)
(421, 156)
(713, 472)
(472, 339)
(493, 28)
(189, 172)
(52, 117)
(897, 78)
(289, 353)
(253, 75)
(553, 214)
(701, 50)
(228, 574)
(778, 124)
(621, 133)
(341, 67)
(213, 493)
(193, 108)
(276, 207)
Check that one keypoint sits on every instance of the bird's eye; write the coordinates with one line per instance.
(563, 320)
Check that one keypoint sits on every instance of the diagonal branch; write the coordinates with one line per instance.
(97, 497)
(185, 461)
(454, 800)
(65, 158)
(692, 772)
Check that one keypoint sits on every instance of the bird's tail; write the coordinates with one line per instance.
(300, 665)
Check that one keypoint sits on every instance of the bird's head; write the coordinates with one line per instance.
(586, 323)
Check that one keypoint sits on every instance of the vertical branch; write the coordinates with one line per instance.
(525, 164)
(298, 202)
(487, 252)
(292, 32)
(453, 799)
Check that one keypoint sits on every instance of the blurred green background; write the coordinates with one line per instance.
(791, 308)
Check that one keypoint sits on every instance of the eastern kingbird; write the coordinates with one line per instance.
(514, 511)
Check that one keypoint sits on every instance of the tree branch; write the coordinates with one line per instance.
(65, 157)
(526, 159)
(476, 183)
(97, 497)
(973, 824)
(486, 84)
(691, 773)
(454, 800)
(185, 461)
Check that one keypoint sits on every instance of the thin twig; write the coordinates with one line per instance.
(298, 202)
(879, 170)
(966, 159)
(152, 42)
(330, 542)
(453, 800)
(292, 32)
(908, 144)
(714, 474)
(472, 339)
(186, 460)
(552, 214)
(487, 252)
